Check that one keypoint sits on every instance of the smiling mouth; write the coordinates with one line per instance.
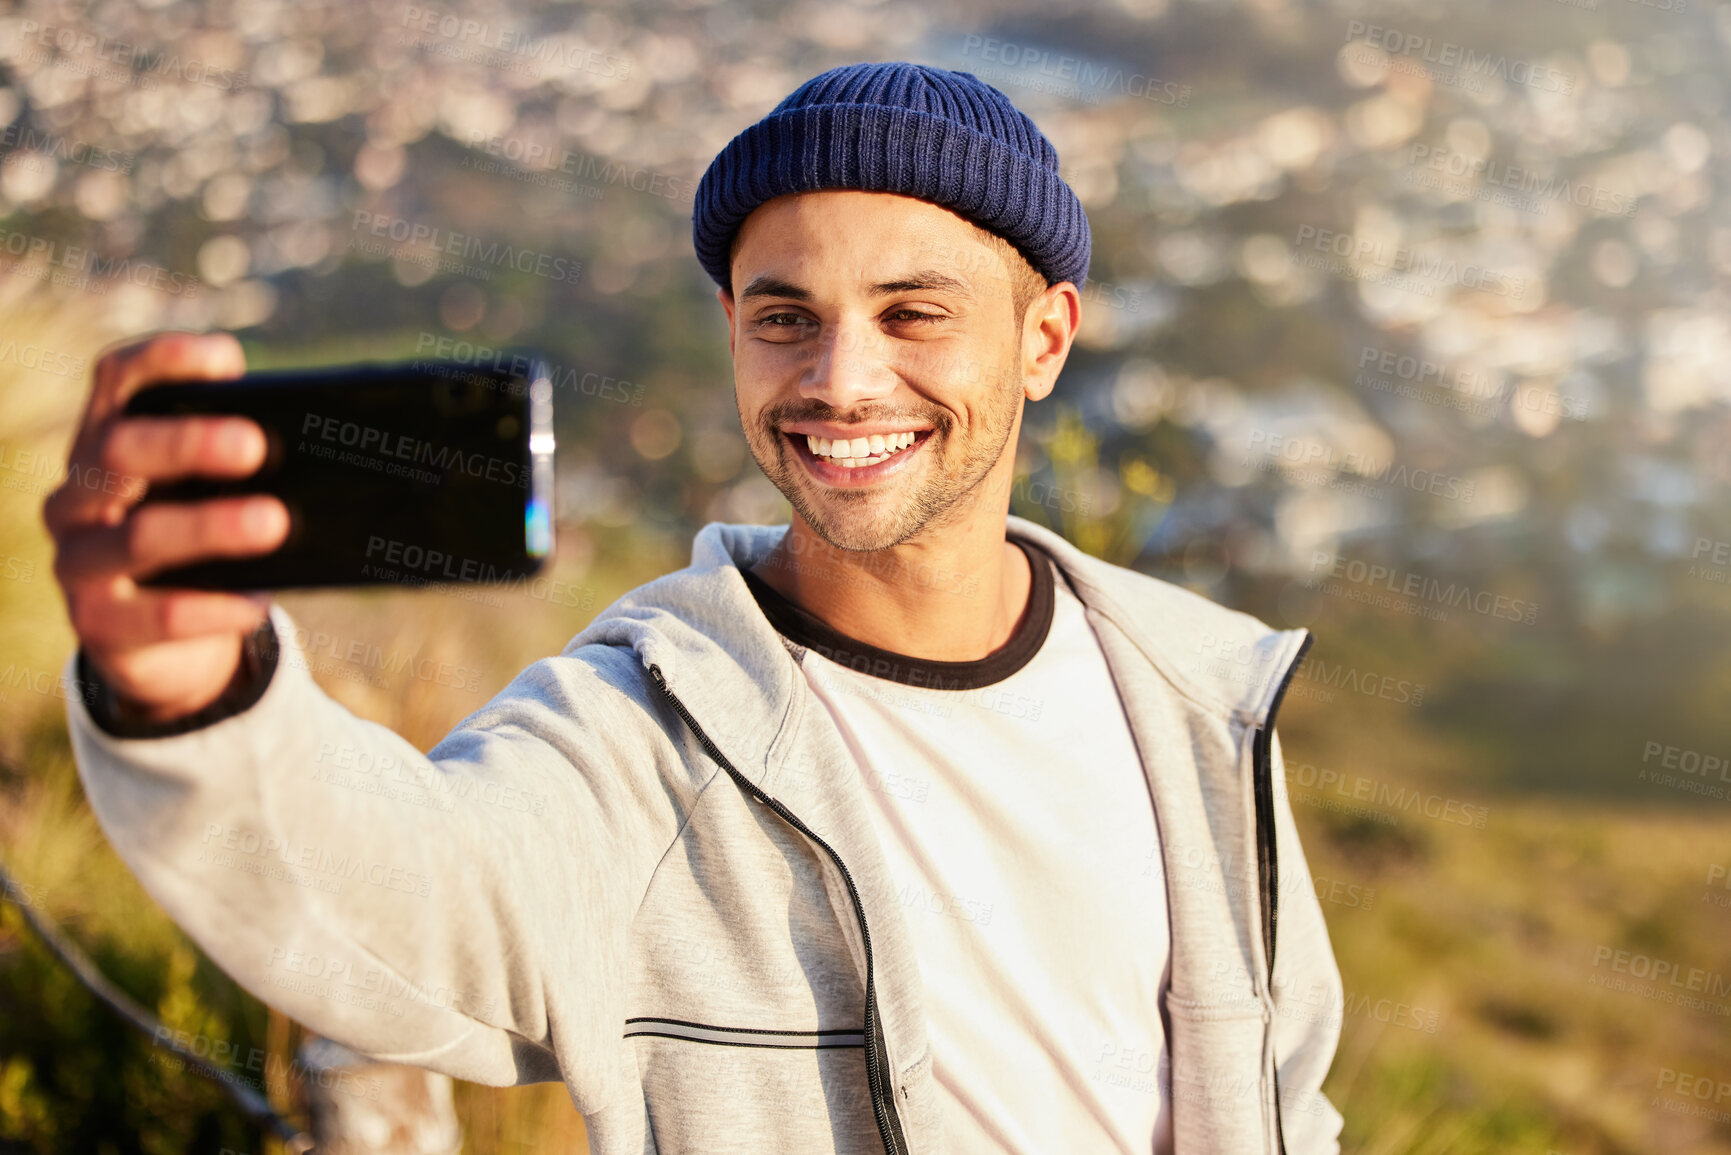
(858, 452)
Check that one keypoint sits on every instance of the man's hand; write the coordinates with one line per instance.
(165, 653)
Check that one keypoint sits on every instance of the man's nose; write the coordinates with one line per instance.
(853, 365)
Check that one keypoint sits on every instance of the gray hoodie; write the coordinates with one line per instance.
(647, 868)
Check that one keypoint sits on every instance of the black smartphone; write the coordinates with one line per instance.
(414, 473)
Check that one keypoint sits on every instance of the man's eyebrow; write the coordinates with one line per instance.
(766, 285)
(924, 279)
(769, 285)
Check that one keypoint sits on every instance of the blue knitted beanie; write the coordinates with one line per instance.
(941, 136)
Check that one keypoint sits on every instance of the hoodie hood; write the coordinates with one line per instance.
(702, 628)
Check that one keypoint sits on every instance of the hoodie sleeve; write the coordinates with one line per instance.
(429, 909)
(1307, 992)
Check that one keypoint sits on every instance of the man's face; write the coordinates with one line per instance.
(878, 365)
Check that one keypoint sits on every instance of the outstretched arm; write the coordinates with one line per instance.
(464, 910)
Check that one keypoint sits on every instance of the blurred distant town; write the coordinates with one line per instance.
(1421, 321)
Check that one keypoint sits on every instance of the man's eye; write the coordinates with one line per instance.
(912, 315)
(782, 327)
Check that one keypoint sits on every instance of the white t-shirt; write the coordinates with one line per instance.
(1021, 840)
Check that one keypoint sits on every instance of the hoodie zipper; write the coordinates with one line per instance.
(876, 1054)
(1267, 866)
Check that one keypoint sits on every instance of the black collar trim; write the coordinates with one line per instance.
(805, 629)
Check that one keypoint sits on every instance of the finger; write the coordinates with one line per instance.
(117, 616)
(122, 372)
(90, 495)
(118, 374)
(156, 537)
(164, 448)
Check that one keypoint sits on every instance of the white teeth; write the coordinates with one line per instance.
(850, 453)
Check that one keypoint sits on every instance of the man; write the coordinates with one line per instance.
(909, 828)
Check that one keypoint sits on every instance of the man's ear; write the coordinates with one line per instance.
(1048, 330)
(725, 296)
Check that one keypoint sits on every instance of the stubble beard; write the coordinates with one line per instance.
(865, 520)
